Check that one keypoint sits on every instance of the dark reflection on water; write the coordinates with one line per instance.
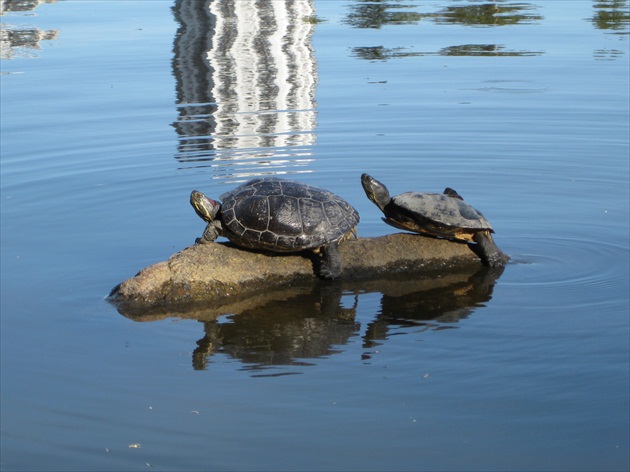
(607, 54)
(432, 304)
(371, 14)
(380, 53)
(246, 78)
(286, 331)
(289, 326)
(376, 14)
(483, 50)
(487, 14)
(612, 15)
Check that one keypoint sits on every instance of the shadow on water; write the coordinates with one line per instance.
(289, 326)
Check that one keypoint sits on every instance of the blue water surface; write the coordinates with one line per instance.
(112, 112)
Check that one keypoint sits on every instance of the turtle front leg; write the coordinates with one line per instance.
(488, 251)
(209, 234)
(330, 262)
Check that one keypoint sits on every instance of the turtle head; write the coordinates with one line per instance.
(375, 191)
(205, 207)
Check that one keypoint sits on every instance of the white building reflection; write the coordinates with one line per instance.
(22, 41)
(246, 79)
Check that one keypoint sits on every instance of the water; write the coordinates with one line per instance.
(118, 112)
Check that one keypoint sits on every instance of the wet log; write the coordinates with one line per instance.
(220, 273)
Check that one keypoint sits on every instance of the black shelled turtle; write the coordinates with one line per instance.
(281, 216)
(443, 215)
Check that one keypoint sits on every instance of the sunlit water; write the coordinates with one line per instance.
(113, 111)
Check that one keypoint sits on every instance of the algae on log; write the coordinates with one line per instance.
(221, 271)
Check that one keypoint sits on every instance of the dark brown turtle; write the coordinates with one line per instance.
(281, 216)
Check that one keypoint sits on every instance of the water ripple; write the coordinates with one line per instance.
(580, 264)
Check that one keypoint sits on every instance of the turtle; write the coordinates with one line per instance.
(281, 216)
(444, 215)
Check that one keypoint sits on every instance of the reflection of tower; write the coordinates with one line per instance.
(246, 79)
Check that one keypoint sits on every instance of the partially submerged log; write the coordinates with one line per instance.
(450, 295)
(291, 324)
(220, 273)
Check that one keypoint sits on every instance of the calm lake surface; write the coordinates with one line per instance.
(112, 112)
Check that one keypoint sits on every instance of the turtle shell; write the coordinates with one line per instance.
(436, 214)
(284, 216)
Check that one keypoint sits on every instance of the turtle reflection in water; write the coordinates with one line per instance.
(440, 215)
(280, 216)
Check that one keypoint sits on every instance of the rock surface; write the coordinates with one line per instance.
(218, 273)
